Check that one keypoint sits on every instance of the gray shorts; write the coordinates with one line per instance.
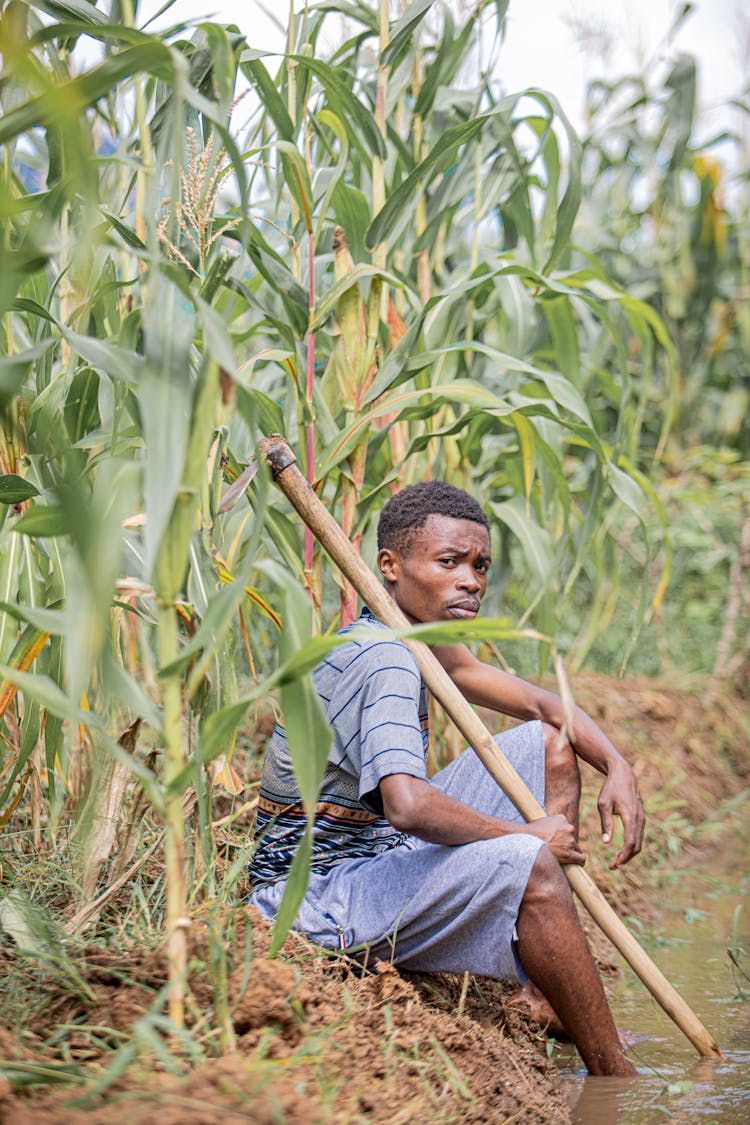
(429, 907)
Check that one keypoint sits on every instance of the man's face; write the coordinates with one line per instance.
(443, 574)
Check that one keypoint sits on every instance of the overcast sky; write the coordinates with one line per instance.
(543, 44)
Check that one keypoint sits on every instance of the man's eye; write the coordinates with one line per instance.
(483, 567)
(447, 562)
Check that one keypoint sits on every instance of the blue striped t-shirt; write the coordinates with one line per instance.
(375, 701)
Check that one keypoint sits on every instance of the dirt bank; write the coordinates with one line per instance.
(303, 1038)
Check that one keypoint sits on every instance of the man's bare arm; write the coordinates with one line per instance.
(412, 805)
(490, 687)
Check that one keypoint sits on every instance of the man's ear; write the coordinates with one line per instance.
(389, 562)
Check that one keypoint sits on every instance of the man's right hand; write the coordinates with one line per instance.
(559, 835)
(413, 805)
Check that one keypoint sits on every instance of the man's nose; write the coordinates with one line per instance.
(468, 579)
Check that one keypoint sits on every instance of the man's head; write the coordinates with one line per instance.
(407, 511)
(434, 551)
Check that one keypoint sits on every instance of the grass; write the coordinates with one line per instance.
(738, 958)
(91, 1004)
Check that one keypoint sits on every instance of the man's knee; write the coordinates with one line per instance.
(546, 883)
(558, 753)
(562, 776)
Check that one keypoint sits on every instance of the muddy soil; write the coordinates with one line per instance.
(312, 1041)
(305, 1038)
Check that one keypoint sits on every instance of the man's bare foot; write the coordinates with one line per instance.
(530, 999)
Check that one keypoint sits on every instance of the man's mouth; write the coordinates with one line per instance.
(468, 608)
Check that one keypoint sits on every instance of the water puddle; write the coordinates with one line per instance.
(700, 920)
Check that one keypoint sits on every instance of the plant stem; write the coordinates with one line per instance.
(424, 277)
(469, 355)
(174, 822)
(309, 541)
(737, 578)
(144, 135)
(378, 164)
(310, 373)
(291, 100)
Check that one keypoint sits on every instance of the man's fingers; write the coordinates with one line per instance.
(617, 799)
(622, 857)
(571, 856)
(640, 825)
(632, 845)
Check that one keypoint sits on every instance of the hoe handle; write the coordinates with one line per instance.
(302, 497)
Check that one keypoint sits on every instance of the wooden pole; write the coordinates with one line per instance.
(283, 466)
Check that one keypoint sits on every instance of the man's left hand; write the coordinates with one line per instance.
(620, 797)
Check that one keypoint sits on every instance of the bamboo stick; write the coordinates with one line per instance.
(286, 474)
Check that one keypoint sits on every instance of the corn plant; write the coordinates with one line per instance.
(369, 252)
(666, 216)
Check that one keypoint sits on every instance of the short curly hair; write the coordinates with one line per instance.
(408, 510)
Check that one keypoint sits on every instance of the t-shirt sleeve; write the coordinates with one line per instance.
(376, 718)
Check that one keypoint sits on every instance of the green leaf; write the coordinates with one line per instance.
(126, 233)
(306, 657)
(216, 339)
(121, 686)
(45, 692)
(352, 213)
(460, 391)
(454, 632)
(72, 9)
(297, 180)
(571, 200)
(107, 358)
(41, 521)
(221, 608)
(347, 107)
(294, 892)
(255, 70)
(325, 117)
(173, 552)
(15, 489)
(441, 70)
(559, 388)
(561, 320)
(308, 733)
(55, 104)
(29, 742)
(401, 34)
(165, 398)
(28, 1073)
(327, 304)
(65, 33)
(13, 368)
(218, 729)
(535, 541)
(259, 410)
(399, 207)
(25, 304)
(682, 81)
(626, 489)
(49, 620)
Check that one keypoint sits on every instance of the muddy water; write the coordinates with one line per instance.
(699, 920)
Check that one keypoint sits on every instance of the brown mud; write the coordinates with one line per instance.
(307, 1039)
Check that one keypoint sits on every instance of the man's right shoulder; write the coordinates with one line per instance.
(362, 656)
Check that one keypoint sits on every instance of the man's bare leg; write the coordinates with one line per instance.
(555, 954)
(562, 778)
(562, 794)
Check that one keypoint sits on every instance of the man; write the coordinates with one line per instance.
(444, 874)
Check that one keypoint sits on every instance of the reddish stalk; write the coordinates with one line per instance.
(309, 541)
